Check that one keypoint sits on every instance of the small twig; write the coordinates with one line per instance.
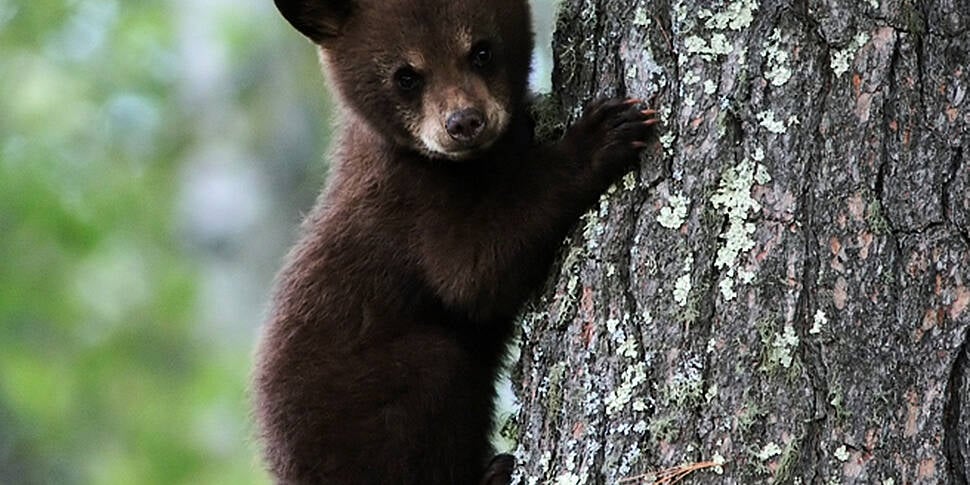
(670, 476)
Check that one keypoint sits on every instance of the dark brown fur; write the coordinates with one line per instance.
(392, 315)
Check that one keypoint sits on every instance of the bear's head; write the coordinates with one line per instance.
(442, 77)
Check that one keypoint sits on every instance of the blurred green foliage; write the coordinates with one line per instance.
(122, 360)
(106, 372)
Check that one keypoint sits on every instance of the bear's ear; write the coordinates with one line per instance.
(317, 19)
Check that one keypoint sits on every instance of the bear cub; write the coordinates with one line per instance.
(440, 217)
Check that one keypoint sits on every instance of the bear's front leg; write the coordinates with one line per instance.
(485, 258)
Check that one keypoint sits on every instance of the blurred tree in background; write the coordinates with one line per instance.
(155, 158)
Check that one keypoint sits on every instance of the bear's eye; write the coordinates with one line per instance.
(407, 79)
(481, 55)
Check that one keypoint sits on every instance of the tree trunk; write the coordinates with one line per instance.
(784, 284)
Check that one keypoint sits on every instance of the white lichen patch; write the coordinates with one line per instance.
(726, 286)
(742, 59)
(674, 215)
(691, 77)
(761, 175)
(630, 181)
(758, 155)
(737, 16)
(568, 478)
(641, 18)
(611, 325)
(770, 450)
(767, 119)
(733, 197)
(594, 227)
(667, 142)
(779, 63)
(682, 289)
(719, 45)
(682, 286)
(681, 12)
(694, 45)
(719, 462)
(633, 72)
(783, 346)
(632, 378)
(572, 283)
(842, 59)
(709, 87)
(818, 322)
(841, 453)
(712, 392)
(746, 276)
(629, 349)
(630, 458)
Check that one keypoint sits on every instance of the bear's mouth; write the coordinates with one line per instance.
(459, 152)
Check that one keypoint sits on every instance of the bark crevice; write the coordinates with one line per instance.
(889, 115)
(956, 163)
(953, 412)
(812, 353)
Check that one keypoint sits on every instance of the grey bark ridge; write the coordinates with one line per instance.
(785, 282)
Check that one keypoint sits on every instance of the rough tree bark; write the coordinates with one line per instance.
(785, 282)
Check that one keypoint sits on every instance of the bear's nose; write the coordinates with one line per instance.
(465, 125)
